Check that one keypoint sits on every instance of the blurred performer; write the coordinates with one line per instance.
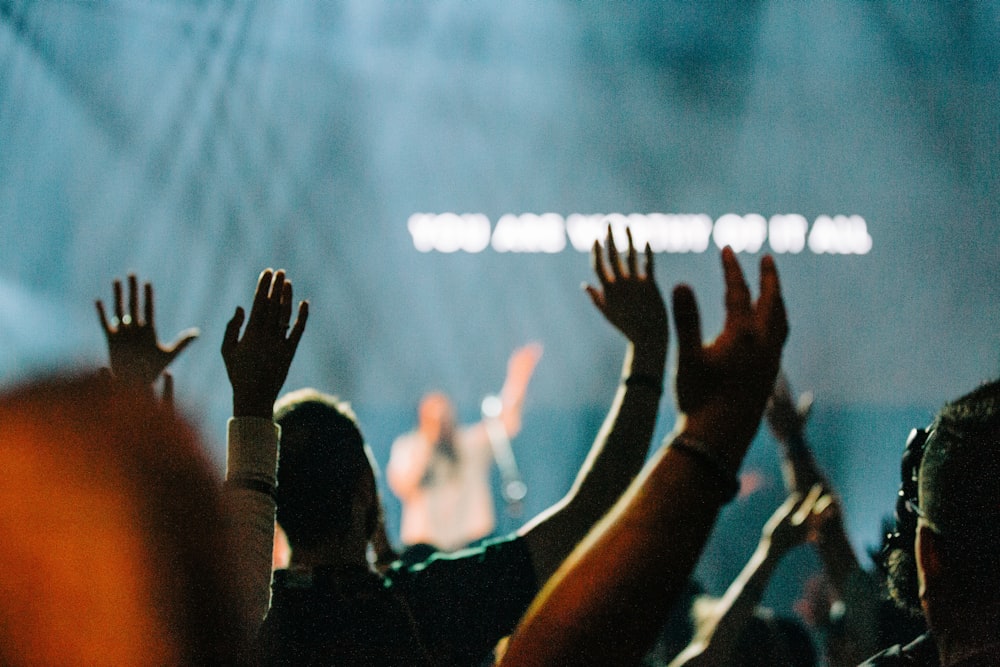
(441, 472)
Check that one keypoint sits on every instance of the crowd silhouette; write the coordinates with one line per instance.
(123, 546)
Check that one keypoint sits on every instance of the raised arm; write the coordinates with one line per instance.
(520, 368)
(605, 603)
(787, 419)
(630, 300)
(717, 641)
(136, 355)
(257, 365)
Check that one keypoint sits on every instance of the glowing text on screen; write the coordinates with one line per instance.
(665, 232)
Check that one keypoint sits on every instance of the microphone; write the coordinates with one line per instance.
(512, 487)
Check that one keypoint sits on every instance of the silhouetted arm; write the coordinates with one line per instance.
(717, 640)
(787, 419)
(631, 301)
(257, 365)
(605, 604)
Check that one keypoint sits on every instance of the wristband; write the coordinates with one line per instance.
(700, 454)
(250, 484)
(644, 380)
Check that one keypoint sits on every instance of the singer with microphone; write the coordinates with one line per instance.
(441, 471)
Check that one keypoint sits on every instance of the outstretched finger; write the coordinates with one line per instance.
(597, 262)
(687, 321)
(299, 327)
(231, 338)
(633, 263)
(823, 504)
(274, 298)
(596, 296)
(613, 257)
(119, 309)
(259, 307)
(103, 317)
(807, 505)
(149, 305)
(737, 291)
(771, 316)
(285, 309)
(649, 261)
(184, 339)
(133, 299)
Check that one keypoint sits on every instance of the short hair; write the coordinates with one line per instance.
(322, 462)
(959, 489)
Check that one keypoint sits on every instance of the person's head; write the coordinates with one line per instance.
(113, 550)
(958, 532)
(326, 475)
(436, 416)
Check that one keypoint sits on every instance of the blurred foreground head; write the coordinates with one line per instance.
(112, 546)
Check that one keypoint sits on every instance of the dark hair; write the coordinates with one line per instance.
(322, 462)
(954, 467)
(960, 488)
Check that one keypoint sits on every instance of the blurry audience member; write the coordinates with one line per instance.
(331, 608)
(849, 624)
(733, 630)
(605, 604)
(949, 510)
(441, 472)
(115, 551)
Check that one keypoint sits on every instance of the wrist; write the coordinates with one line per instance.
(706, 457)
(646, 357)
(253, 406)
(725, 435)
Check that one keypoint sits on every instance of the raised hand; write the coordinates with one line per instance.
(258, 363)
(794, 523)
(722, 386)
(628, 299)
(787, 417)
(522, 362)
(135, 353)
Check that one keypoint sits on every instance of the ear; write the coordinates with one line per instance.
(928, 552)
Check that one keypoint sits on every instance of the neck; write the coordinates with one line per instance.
(972, 633)
(337, 553)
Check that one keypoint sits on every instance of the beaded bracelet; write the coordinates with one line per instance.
(698, 452)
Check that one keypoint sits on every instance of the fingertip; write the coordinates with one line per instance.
(682, 292)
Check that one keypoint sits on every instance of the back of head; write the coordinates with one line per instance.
(323, 460)
(959, 489)
(113, 551)
(774, 641)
